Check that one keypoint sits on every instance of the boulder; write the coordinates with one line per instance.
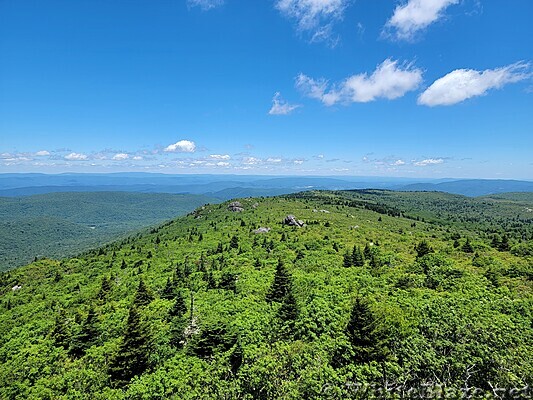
(235, 206)
(262, 230)
(290, 220)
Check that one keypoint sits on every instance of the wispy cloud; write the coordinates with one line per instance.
(220, 156)
(280, 106)
(183, 146)
(429, 161)
(76, 157)
(390, 81)
(463, 84)
(205, 4)
(314, 17)
(414, 16)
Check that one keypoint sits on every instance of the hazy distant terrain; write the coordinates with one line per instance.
(225, 187)
(61, 224)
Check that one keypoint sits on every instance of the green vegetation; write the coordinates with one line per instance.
(65, 224)
(376, 290)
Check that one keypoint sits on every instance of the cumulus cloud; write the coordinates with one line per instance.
(120, 156)
(220, 156)
(280, 106)
(416, 15)
(315, 17)
(76, 157)
(42, 153)
(137, 158)
(223, 164)
(390, 81)
(205, 5)
(463, 84)
(398, 162)
(429, 161)
(183, 146)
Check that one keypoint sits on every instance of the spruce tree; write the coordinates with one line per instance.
(281, 285)
(347, 260)
(168, 292)
(467, 247)
(504, 244)
(60, 331)
(363, 334)
(422, 249)
(143, 296)
(179, 309)
(86, 336)
(367, 252)
(132, 357)
(357, 257)
(234, 242)
(288, 313)
(105, 288)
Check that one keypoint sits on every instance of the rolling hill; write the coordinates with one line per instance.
(64, 224)
(317, 295)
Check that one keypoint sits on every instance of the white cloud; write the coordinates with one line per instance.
(120, 156)
(76, 157)
(183, 146)
(429, 161)
(280, 106)
(298, 162)
(251, 161)
(223, 164)
(205, 4)
(416, 15)
(274, 160)
(42, 153)
(463, 84)
(388, 81)
(399, 162)
(314, 16)
(220, 156)
(137, 158)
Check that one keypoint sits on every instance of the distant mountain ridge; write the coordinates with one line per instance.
(473, 187)
(225, 187)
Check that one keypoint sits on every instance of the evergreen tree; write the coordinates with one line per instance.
(357, 257)
(288, 313)
(169, 290)
(347, 260)
(234, 242)
(86, 336)
(132, 357)
(179, 309)
(367, 252)
(143, 296)
(467, 247)
(362, 332)
(422, 249)
(281, 285)
(60, 331)
(105, 288)
(496, 241)
(504, 244)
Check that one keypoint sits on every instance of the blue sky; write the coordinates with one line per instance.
(414, 88)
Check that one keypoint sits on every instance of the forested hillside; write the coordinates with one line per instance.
(319, 295)
(64, 224)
